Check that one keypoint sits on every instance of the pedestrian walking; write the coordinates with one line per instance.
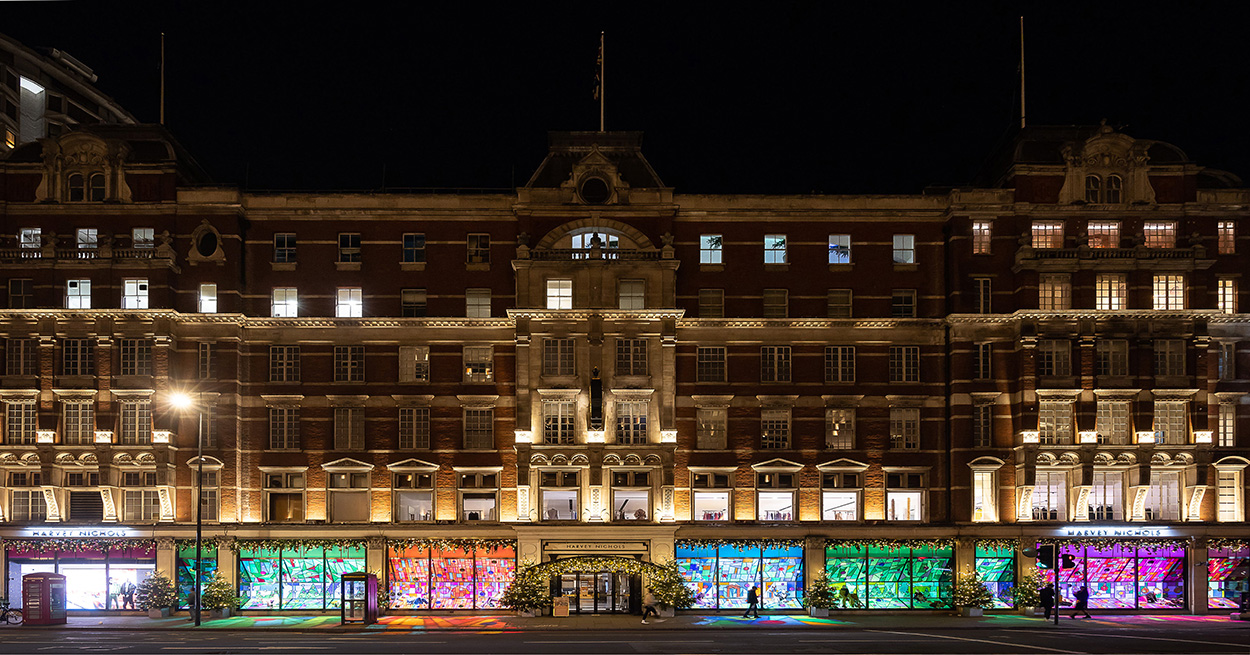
(648, 608)
(1082, 603)
(753, 602)
(1048, 600)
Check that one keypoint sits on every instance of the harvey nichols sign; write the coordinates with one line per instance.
(80, 533)
(1111, 531)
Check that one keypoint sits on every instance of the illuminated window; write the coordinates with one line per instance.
(904, 496)
(839, 248)
(1050, 496)
(1160, 234)
(414, 363)
(982, 233)
(840, 428)
(350, 303)
(284, 496)
(1054, 292)
(631, 421)
(1054, 421)
(839, 303)
(20, 423)
(775, 364)
(711, 303)
(713, 427)
(140, 504)
(349, 363)
(1106, 498)
(1227, 237)
(1111, 291)
(559, 294)
(78, 294)
(1093, 188)
(143, 237)
(775, 428)
(477, 303)
(208, 298)
(78, 423)
(905, 428)
(1054, 358)
(479, 364)
(840, 498)
(1104, 234)
(775, 249)
(135, 293)
(558, 422)
(904, 363)
(1163, 496)
(774, 496)
(1169, 292)
(1228, 496)
(1112, 422)
(136, 423)
(776, 303)
(558, 357)
(839, 363)
(632, 294)
(30, 238)
(984, 496)
(710, 364)
(904, 249)
(285, 302)
(710, 249)
(1228, 295)
(1047, 234)
(1171, 423)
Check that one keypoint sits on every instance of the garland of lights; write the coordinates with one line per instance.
(997, 544)
(891, 544)
(465, 544)
(741, 543)
(1227, 543)
(294, 544)
(77, 545)
(1149, 544)
(530, 588)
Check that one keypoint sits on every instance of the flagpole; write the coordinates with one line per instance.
(162, 121)
(1022, 72)
(601, 102)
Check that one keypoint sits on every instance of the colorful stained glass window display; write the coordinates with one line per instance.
(1228, 576)
(895, 577)
(294, 578)
(997, 568)
(186, 571)
(722, 576)
(449, 579)
(1122, 576)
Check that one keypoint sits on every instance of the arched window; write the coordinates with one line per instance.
(1093, 188)
(97, 187)
(1114, 184)
(77, 189)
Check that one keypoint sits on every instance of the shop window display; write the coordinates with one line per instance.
(997, 568)
(94, 579)
(1228, 576)
(423, 578)
(721, 576)
(1122, 576)
(901, 577)
(295, 578)
(186, 570)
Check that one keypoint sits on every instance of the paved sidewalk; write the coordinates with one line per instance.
(501, 623)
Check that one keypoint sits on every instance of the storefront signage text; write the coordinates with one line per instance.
(1113, 531)
(596, 546)
(79, 533)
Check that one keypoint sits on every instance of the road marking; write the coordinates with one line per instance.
(983, 641)
(1187, 641)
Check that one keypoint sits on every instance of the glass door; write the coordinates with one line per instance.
(596, 593)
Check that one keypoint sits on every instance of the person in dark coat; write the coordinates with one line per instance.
(1048, 599)
(753, 602)
(1082, 603)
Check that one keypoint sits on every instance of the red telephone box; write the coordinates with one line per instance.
(43, 599)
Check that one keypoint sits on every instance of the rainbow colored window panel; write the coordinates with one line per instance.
(292, 578)
(722, 576)
(997, 567)
(872, 577)
(186, 571)
(423, 579)
(1228, 576)
(1122, 576)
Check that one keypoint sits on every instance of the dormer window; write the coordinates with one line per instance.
(1109, 191)
(595, 191)
(1093, 188)
(1112, 192)
(86, 187)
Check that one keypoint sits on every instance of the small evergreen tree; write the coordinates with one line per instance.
(970, 591)
(1027, 592)
(154, 593)
(820, 594)
(529, 591)
(219, 594)
(670, 588)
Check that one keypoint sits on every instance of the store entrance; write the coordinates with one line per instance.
(602, 592)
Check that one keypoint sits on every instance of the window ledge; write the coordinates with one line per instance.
(347, 266)
(841, 268)
(412, 266)
(777, 268)
(282, 266)
(477, 267)
(899, 268)
(711, 268)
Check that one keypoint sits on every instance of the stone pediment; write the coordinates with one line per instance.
(347, 464)
(842, 464)
(778, 464)
(413, 464)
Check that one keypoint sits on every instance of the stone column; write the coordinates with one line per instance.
(167, 557)
(375, 557)
(1197, 574)
(813, 559)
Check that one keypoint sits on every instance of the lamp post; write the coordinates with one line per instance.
(183, 401)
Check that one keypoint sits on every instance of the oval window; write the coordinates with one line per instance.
(595, 191)
(207, 245)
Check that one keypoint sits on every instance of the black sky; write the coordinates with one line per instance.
(836, 97)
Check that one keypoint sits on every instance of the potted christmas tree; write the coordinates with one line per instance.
(820, 597)
(670, 589)
(219, 597)
(155, 595)
(529, 593)
(972, 597)
(1027, 593)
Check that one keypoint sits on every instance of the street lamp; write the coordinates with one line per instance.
(182, 401)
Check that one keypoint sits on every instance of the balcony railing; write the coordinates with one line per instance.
(574, 254)
(11, 255)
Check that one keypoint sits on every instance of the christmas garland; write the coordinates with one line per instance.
(294, 544)
(1150, 544)
(466, 544)
(77, 545)
(891, 544)
(741, 543)
(997, 544)
(207, 544)
(1228, 543)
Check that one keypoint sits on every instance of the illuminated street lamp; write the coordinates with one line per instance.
(182, 402)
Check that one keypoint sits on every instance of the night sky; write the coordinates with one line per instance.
(832, 97)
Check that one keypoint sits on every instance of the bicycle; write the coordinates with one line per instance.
(11, 616)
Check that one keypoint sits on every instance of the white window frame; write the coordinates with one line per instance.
(712, 428)
(477, 303)
(1227, 424)
(1163, 496)
(1111, 292)
(414, 427)
(208, 298)
(711, 249)
(135, 422)
(1159, 234)
(1054, 292)
(1113, 421)
(904, 428)
(904, 249)
(776, 249)
(285, 302)
(135, 293)
(1054, 421)
(1226, 297)
(1171, 422)
(1046, 235)
(414, 363)
(1103, 234)
(632, 294)
(78, 294)
(632, 421)
(559, 421)
(1169, 292)
(1050, 494)
(560, 293)
(840, 249)
(1230, 494)
(349, 303)
(840, 428)
(984, 495)
(479, 364)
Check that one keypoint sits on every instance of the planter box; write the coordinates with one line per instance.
(971, 611)
(1031, 611)
(528, 614)
(158, 613)
(822, 612)
(220, 613)
(665, 611)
